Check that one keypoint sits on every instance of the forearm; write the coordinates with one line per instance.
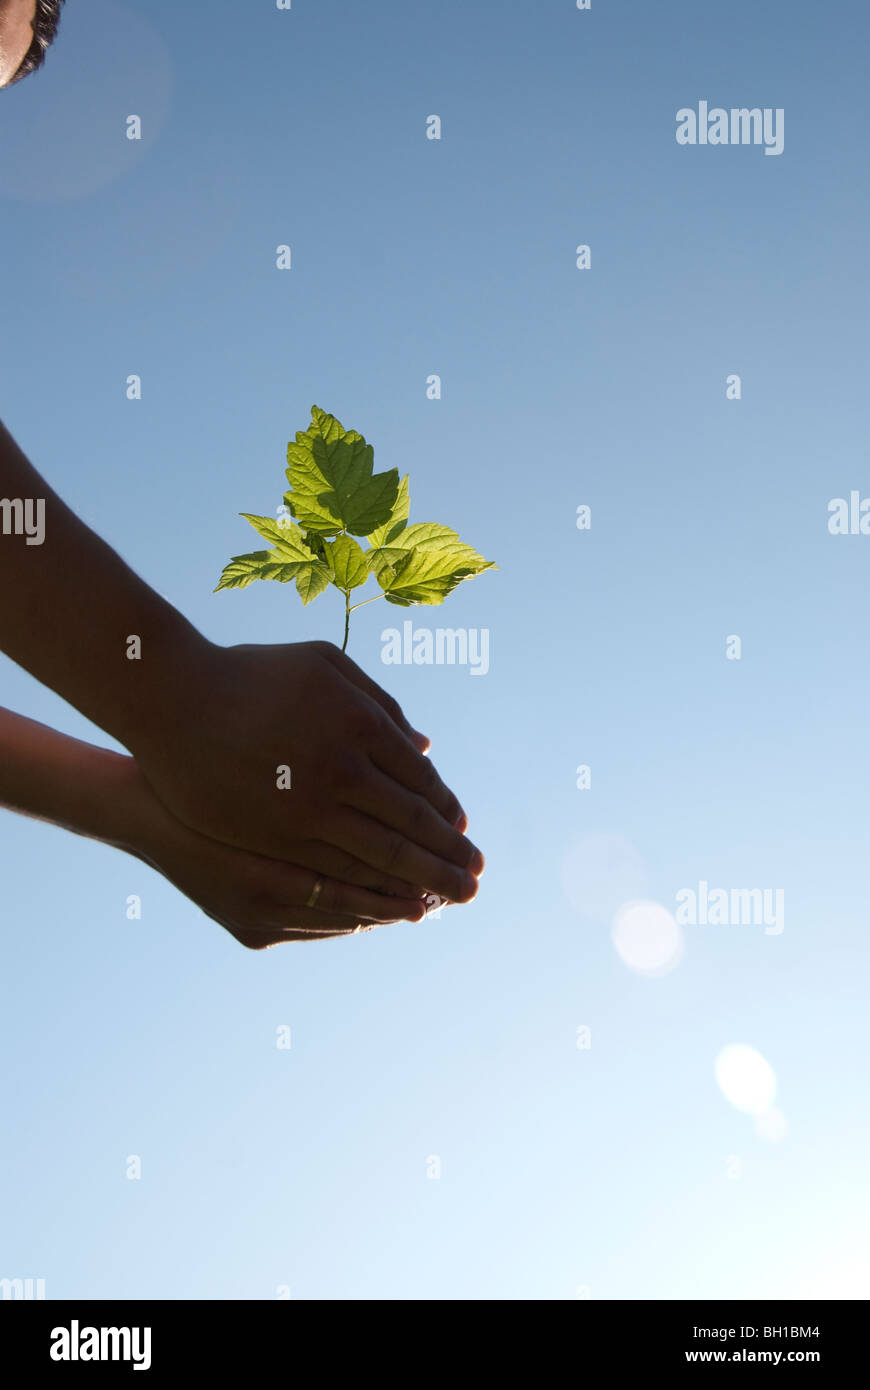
(51, 777)
(69, 608)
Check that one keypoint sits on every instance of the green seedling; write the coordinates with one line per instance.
(334, 496)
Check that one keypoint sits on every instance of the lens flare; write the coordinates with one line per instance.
(746, 1079)
(647, 937)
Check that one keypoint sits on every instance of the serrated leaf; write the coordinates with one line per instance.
(348, 562)
(242, 570)
(372, 503)
(312, 517)
(316, 544)
(335, 495)
(287, 560)
(438, 561)
(287, 539)
(331, 480)
(312, 580)
(396, 521)
(389, 557)
(276, 567)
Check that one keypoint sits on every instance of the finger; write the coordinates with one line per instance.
(393, 805)
(337, 863)
(392, 755)
(389, 750)
(280, 895)
(348, 900)
(395, 756)
(391, 707)
(419, 774)
(390, 849)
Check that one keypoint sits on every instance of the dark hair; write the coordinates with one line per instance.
(44, 25)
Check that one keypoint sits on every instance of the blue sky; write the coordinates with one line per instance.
(609, 1169)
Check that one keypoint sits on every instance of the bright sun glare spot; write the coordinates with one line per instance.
(746, 1079)
(647, 937)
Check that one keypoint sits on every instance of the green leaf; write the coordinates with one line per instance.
(316, 544)
(335, 495)
(290, 558)
(312, 517)
(331, 480)
(389, 558)
(261, 564)
(312, 580)
(243, 570)
(287, 539)
(437, 562)
(348, 562)
(396, 521)
(372, 503)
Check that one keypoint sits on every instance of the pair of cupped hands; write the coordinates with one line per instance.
(359, 823)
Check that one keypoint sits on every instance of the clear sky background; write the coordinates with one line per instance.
(618, 1170)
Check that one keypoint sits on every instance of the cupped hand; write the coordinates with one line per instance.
(292, 752)
(260, 901)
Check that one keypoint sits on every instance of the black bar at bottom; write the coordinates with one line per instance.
(67, 1337)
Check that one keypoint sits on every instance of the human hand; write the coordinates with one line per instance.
(259, 901)
(364, 805)
(210, 726)
(94, 792)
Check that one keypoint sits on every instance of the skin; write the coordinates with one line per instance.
(104, 796)
(209, 726)
(16, 35)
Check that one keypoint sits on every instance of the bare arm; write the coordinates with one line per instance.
(69, 603)
(210, 726)
(94, 792)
